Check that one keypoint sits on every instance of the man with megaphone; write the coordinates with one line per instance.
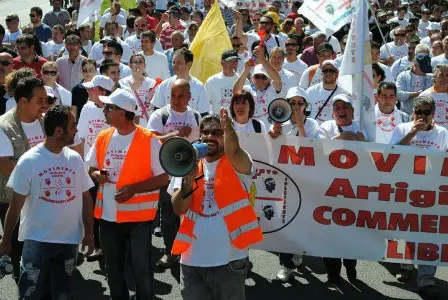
(218, 224)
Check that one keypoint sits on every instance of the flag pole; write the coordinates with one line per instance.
(379, 29)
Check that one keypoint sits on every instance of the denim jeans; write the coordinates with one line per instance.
(136, 237)
(169, 221)
(426, 274)
(40, 260)
(214, 283)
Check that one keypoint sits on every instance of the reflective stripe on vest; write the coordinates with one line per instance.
(225, 211)
(137, 206)
(245, 228)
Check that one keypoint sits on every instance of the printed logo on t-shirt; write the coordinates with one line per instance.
(425, 144)
(94, 128)
(35, 140)
(113, 162)
(441, 114)
(209, 198)
(386, 122)
(57, 185)
(226, 96)
(326, 113)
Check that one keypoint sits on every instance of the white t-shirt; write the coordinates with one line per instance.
(397, 52)
(107, 17)
(262, 100)
(289, 80)
(198, 100)
(11, 37)
(248, 127)
(329, 129)
(91, 122)
(219, 90)
(399, 66)
(55, 49)
(113, 162)
(423, 28)
(157, 65)
(53, 184)
(311, 128)
(441, 100)
(270, 44)
(143, 94)
(305, 79)
(438, 60)
(34, 132)
(242, 59)
(122, 12)
(175, 121)
(135, 44)
(298, 67)
(212, 246)
(434, 139)
(96, 52)
(317, 96)
(402, 22)
(45, 50)
(386, 124)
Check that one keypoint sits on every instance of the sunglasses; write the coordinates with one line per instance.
(236, 45)
(110, 107)
(107, 53)
(51, 73)
(5, 63)
(330, 71)
(32, 16)
(256, 20)
(137, 62)
(215, 132)
(9, 20)
(400, 34)
(426, 112)
(290, 45)
(140, 26)
(265, 23)
(258, 76)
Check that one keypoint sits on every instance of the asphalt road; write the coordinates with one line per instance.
(21, 8)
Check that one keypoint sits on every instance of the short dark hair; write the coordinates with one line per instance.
(375, 45)
(2, 30)
(107, 92)
(28, 39)
(187, 54)
(106, 64)
(88, 61)
(116, 46)
(198, 13)
(13, 78)
(385, 85)
(111, 23)
(242, 95)
(37, 10)
(137, 55)
(60, 27)
(209, 118)
(25, 88)
(425, 100)
(129, 115)
(130, 20)
(56, 116)
(379, 71)
(149, 35)
(74, 38)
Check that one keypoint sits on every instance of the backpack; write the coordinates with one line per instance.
(165, 113)
(257, 125)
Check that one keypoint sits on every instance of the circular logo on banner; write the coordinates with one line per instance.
(275, 197)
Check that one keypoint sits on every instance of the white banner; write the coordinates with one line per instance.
(89, 11)
(251, 5)
(328, 15)
(346, 199)
(355, 75)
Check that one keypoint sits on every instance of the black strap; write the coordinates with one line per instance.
(340, 129)
(326, 101)
(257, 125)
(328, 39)
(276, 39)
(165, 113)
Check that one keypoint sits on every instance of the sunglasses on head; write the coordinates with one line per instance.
(420, 112)
(215, 132)
(260, 76)
(331, 71)
(51, 73)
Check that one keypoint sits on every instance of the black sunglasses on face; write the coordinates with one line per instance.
(420, 112)
(52, 73)
(258, 76)
(331, 71)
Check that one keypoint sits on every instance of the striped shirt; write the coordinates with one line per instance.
(165, 35)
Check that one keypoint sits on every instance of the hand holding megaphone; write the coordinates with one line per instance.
(279, 111)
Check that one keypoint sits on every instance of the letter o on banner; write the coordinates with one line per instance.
(343, 159)
(344, 217)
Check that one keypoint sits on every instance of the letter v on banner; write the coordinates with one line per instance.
(356, 69)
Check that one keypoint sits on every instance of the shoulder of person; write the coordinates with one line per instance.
(196, 81)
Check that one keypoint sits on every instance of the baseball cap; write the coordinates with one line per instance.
(229, 55)
(259, 69)
(121, 98)
(342, 97)
(433, 26)
(50, 91)
(100, 80)
(296, 92)
(329, 62)
(325, 47)
(424, 62)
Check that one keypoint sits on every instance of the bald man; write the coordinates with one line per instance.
(176, 119)
(6, 66)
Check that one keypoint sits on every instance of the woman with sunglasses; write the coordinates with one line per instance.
(79, 92)
(242, 106)
(49, 76)
(298, 125)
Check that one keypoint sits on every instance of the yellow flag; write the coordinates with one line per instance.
(210, 42)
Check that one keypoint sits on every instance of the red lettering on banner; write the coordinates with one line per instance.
(384, 191)
(408, 222)
(305, 154)
(419, 251)
(421, 198)
(367, 220)
(429, 223)
(351, 160)
(409, 251)
(420, 165)
(427, 252)
(342, 187)
(401, 193)
(344, 217)
(392, 250)
(443, 224)
(384, 166)
(443, 195)
(318, 215)
(444, 255)
(444, 171)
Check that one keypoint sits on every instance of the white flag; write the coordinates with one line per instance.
(355, 75)
(89, 11)
(328, 15)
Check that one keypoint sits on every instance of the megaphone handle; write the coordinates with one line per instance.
(185, 196)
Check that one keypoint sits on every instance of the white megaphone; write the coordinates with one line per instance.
(178, 157)
(279, 110)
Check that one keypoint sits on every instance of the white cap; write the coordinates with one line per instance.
(329, 62)
(50, 91)
(102, 81)
(121, 98)
(433, 26)
(259, 69)
(296, 92)
(342, 97)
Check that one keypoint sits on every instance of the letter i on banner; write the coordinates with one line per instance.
(356, 69)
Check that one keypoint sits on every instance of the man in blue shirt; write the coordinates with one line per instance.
(42, 31)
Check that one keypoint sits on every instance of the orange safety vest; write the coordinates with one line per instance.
(136, 168)
(234, 206)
